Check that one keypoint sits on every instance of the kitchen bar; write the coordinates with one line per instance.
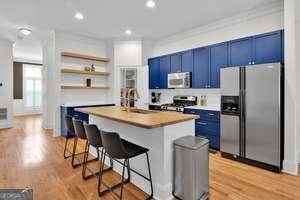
(151, 129)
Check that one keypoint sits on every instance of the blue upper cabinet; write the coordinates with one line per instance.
(175, 63)
(164, 65)
(267, 48)
(201, 68)
(154, 73)
(240, 52)
(205, 62)
(218, 59)
(187, 61)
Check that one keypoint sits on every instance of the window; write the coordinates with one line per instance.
(33, 85)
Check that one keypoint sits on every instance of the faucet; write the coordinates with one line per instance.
(129, 99)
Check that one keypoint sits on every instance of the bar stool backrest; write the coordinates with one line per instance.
(70, 126)
(79, 129)
(93, 135)
(113, 145)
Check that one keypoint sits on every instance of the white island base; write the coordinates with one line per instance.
(159, 141)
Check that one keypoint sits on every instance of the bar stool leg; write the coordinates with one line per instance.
(86, 154)
(101, 171)
(150, 178)
(65, 149)
(74, 152)
(123, 173)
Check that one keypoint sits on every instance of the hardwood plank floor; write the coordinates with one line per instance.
(31, 157)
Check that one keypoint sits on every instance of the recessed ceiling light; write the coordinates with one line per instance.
(25, 31)
(79, 16)
(128, 32)
(150, 4)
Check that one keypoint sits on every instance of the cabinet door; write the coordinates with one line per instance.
(240, 52)
(175, 63)
(267, 48)
(218, 59)
(201, 68)
(154, 74)
(187, 61)
(164, 65)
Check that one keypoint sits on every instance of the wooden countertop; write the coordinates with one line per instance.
(154, 119)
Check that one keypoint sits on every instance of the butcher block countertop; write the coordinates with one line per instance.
(149, 119)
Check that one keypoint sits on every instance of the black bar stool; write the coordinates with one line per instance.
(80, 134)
(94, 140)
(70, 133)
(118, 148)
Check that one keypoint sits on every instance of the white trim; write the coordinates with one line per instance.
(25, 60)
(251, 14)
(299, 156)
(290, 167)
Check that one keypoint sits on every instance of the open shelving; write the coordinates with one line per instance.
(82, 87)
(76, 71)
(83, 56)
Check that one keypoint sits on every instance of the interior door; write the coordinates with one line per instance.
(262, 113)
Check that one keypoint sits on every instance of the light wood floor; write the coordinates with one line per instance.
(31, 157)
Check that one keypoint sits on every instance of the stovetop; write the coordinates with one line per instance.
(179, 102)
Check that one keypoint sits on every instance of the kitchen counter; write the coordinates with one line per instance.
(154, 119)
(87, 103)
(208, 107)
(154, 130)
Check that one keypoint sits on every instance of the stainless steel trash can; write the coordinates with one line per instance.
(191, 170)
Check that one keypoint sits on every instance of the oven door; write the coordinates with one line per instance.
(179, 80)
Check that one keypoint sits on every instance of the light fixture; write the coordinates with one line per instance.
(79, 16)
(150, 4)
(25, 31)
(128, 32)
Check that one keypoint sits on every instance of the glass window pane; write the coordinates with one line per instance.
(29, 93)
(32, 71)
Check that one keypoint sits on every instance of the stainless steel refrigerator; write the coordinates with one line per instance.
(252, 114)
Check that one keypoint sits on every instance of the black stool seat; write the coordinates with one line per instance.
(133, 149)
(118, 148)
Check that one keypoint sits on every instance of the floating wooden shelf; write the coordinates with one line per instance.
(75, 71)
(86, 57)
(83, 87)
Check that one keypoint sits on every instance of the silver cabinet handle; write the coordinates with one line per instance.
(192, 112)
(249, 63)
(211, 114)
(202, 123)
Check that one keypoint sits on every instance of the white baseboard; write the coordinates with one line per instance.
(290, 167)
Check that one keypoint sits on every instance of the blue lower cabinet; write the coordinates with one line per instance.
(76, 114)
(208, 125)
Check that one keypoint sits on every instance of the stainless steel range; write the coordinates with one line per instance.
(179, 102)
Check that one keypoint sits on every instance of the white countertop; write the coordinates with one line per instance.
(208, 107)
(88, 103)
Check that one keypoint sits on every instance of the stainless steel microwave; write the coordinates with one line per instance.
(179, 80)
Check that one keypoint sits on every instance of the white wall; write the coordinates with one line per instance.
(297, 12)
(6, 78)
(55, 96)
(259, 21)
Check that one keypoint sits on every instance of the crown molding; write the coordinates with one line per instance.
(276, 7)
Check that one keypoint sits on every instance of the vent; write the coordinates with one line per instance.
(3, 113)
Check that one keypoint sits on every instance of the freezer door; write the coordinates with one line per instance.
(230, 81)
(262, 113)
(230, 134)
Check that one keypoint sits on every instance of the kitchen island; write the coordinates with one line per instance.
(152, 129)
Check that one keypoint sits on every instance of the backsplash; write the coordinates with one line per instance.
(212, 95)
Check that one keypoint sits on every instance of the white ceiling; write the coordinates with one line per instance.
(110, 18)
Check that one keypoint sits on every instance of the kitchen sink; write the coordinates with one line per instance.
(142, 111)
